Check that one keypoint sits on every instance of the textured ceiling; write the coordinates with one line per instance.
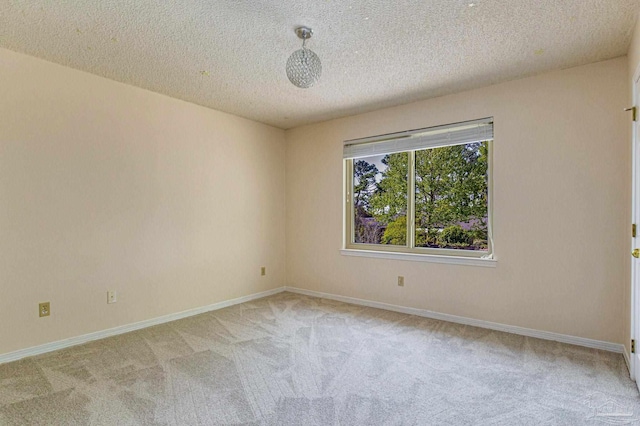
(231, 55)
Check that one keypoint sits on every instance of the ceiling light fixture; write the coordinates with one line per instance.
(303, 66)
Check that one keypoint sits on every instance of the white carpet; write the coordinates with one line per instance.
(296, 360)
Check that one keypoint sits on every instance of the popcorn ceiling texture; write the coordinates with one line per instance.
(231, 55)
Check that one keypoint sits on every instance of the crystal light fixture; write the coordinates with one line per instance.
(303, 66)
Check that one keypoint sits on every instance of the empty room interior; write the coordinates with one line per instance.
(319, 213)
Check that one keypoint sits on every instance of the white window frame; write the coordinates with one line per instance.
(410, 252)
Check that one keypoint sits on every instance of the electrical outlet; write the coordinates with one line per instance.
(44, 309)
(400, 281)
(263, 271)
(112, 297)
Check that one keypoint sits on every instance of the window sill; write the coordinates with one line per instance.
(455, 260)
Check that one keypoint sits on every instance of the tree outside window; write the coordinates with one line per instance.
(449, 203)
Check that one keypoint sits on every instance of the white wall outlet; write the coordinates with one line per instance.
(112, 297)
(263, 271)
(400, 281)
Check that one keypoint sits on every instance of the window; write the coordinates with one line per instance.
(425, 191)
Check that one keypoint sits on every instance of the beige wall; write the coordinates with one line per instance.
(561, 203)
(634, 50)
(106, 186)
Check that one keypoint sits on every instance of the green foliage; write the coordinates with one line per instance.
(396, 232)
(455, 235)
(423, 237)
(390, 199)
(451, 189)
(450, 186)
(364, 184)
(480, 244)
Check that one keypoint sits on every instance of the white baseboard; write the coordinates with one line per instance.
(73, 341)
(626, 360)
(546, 335)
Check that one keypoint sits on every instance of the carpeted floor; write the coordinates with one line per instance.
(296, 360)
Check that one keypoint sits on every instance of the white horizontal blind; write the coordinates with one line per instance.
(431, 137)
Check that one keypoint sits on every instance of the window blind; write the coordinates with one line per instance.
(431, 137)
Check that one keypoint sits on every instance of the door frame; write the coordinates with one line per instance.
(634, 364)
